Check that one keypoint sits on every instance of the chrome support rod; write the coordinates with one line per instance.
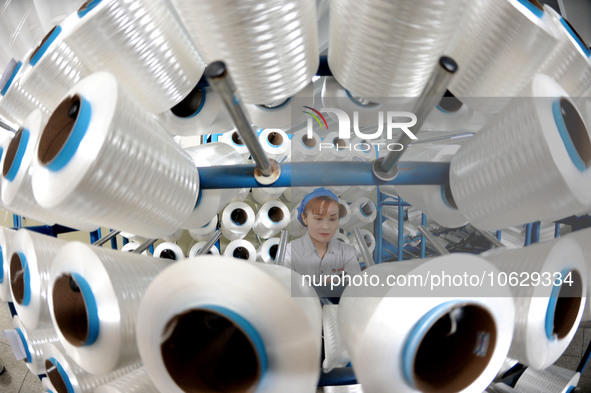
(433, 241)
(212, 240)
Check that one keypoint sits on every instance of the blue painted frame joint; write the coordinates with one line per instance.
(11, 79)
(43, 48)
(566, 139)
(91, 309)
(73, 142)
(249, 331)
(20, 154)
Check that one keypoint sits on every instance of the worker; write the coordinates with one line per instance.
(318, 253)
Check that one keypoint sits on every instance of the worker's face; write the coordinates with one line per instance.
(322, 227)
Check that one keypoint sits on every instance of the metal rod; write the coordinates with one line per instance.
(95, 236)
(144, 246)
(429, 98)
(106, 238)
(400, 229)
(207, 246)
(492, 239)
(220, 80)
(528, 228)
(432, 241)
(280, 257)
(363, 248)
(315, 174)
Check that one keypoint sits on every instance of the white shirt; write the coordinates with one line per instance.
(302, 257)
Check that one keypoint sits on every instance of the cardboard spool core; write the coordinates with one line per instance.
(236, 138)
(241, 253)
(55, 377)
(445, 360)
(275, 139)
(190, 104)
(275, 214)
(69, 308)
(367, 208)
(339, 143)
(537, 4)
(273, 251)
(449, 198)
(575, 126)
(203, 351)
(11, 151)
(58, 129)
(308, 142)
(238, 216)
(567, 306)
(342, 210)
(41, 43)
(167, 253)
(17, 278)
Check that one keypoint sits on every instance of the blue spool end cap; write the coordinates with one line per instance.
(91, 309)
(45, 44)
(16, 153)
(573, 132)
(11, 77)
(56, 373)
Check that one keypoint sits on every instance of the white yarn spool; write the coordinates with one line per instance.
(498, 46)
(168, 250)
(335, 351)
(277, 325)
(344, 213)
(430, 199)
(499, 388)
(48, 386)
(51, 14)
(367, 237)
(54, 68)
(233, 139)
(6, 243)
(35, 342)
(295, 227)
(355, 192)
(553, 379)
(137, 381)
(275, 143)
(285, 115)
(15, 102)
(199, 245)
(267, 252)
(271, 50)
(342, 237)
(118, 169)
(17, 188)
(583, 239)
(205, 232)
(194, 114)
(451, 114)
(400, 335)
(363, 212)
(21, 28)
(304, 148)
(267, 194)
(528, 163)
(129, 247)
(210, 202)
(569, 57)
(334, 148)
(384, 48)
(64, 373)
(390, 231)
(143, 45)
(546, 316)
(241, 249)
(237, 220)
(173, 237)
(30, 262)
(343, 389)
(95, 295)
(271, 218)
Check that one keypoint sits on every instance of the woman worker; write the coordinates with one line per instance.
(318, 253)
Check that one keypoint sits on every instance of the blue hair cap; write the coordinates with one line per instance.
(320, 191)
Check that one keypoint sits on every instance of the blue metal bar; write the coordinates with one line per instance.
(423, 240)
(311, 174)
(527, 235)
(377, 228)
(12, 309)
(535, 235)
(151, 248)
(499, 234)
(114, 242)
(338, 377)
(556, 229)
(584, 359)
(17, 221)
(51, 230)
(125, 240)
(395, 203)
(95, 235)
(400, 228)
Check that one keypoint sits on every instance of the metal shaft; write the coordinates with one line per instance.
(496, 242)
(431, 95)
(363, 247)
(432, 241)
(220, 80)
(281, 248)
(144, 246)
(207, 246)
(106, 238)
